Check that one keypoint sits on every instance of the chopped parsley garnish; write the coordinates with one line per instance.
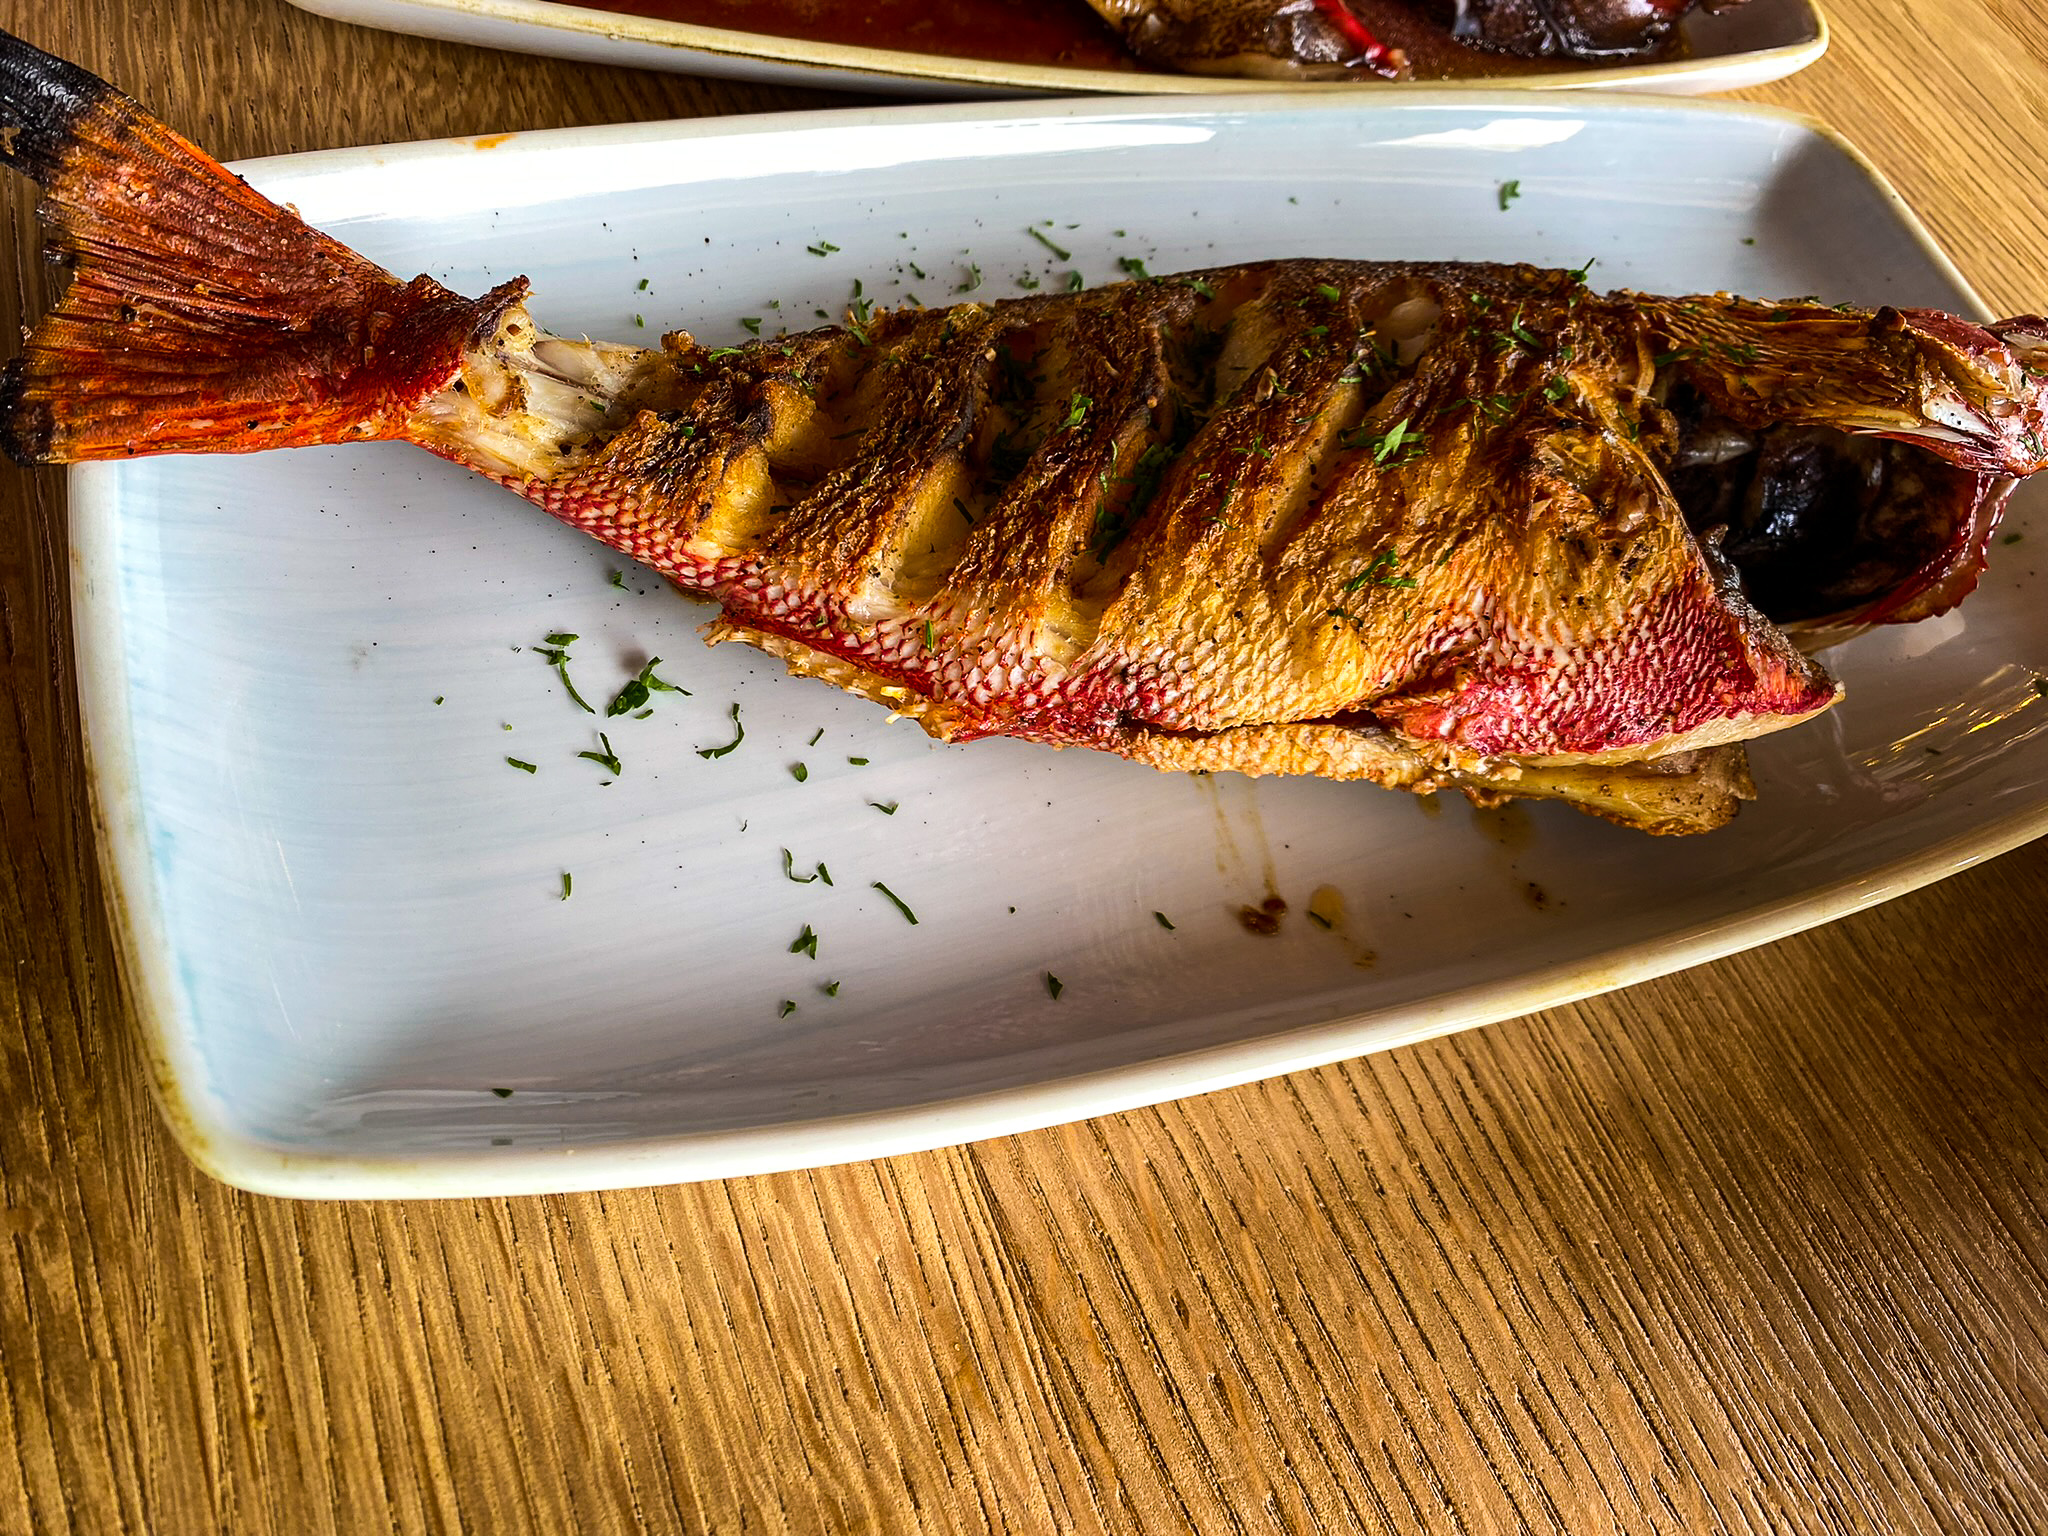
(618, 579)
(1135, 267)
(1164, 921)
(739, 735)
(556, 654)
(636, 693)
(973, 279)
(930, 643)
(789, 871)
(1396, 445)
(786, 1009)
(439, 697)
(805, 943)
(895, 901)
(1054, 985)
(641, 286)
(1578, 274)
(1058, 250)
(1076, 409)
(858, 762)
(816, 736)
(822, 248)
(1027, 280)
(799, 772)
(1330, 291)
(567, 883)
(862, 307)
(1509, 191)
(503, 1093)
(1076, 282)
(752, 323)
(887, 808)
(1382, 572)
(831, 989)
(523, 767)
(607, 758)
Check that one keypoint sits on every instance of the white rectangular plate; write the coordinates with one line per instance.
(1759, 41)
(342, 909)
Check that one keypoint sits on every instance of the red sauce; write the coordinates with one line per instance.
(1058, 32)
(1063, 32)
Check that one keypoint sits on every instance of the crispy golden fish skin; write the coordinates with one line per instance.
(1429, 525)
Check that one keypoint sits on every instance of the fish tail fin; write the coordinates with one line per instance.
(200, 317)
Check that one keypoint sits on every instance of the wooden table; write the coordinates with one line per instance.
(1760, 1247)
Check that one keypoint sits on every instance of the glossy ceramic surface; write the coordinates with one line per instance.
(304, 672)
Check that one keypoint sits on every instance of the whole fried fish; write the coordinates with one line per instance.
(1434, 526)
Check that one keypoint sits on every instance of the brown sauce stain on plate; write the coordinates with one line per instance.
(1326, 911)
(1264, 919)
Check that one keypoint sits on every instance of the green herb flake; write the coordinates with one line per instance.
(799, 772)
(607, 759)
(895, 901)
(805, 943)
(1054, 985)
(822, 248)
(887, 808)
(1077, 408)
(2010, 538)
(1509, 191)
(858, 762)
(973, 279)
(1330, 291)
(1076, 282)
(523, 767)
(786, 1009)
(816, 736)
(830, 989)
(1058, 250)
(752, 323)
(1383, 572)
(641, 286)
(503, 1093)
(1135, 267)
(739, 735)
(568, 883)
(1164, 921)
(789, 870)
(441, 697)
(1397, 445)
(618, 579)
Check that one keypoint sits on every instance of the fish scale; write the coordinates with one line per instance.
(1431, 525)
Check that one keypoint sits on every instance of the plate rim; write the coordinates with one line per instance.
(146, 960)
(888, 64)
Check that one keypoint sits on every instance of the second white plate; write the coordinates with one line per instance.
(1760, 41)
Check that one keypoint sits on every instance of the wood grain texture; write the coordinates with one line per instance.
(1756, 1248)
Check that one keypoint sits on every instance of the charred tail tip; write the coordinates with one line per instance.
(42, 100)
(26, 427)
